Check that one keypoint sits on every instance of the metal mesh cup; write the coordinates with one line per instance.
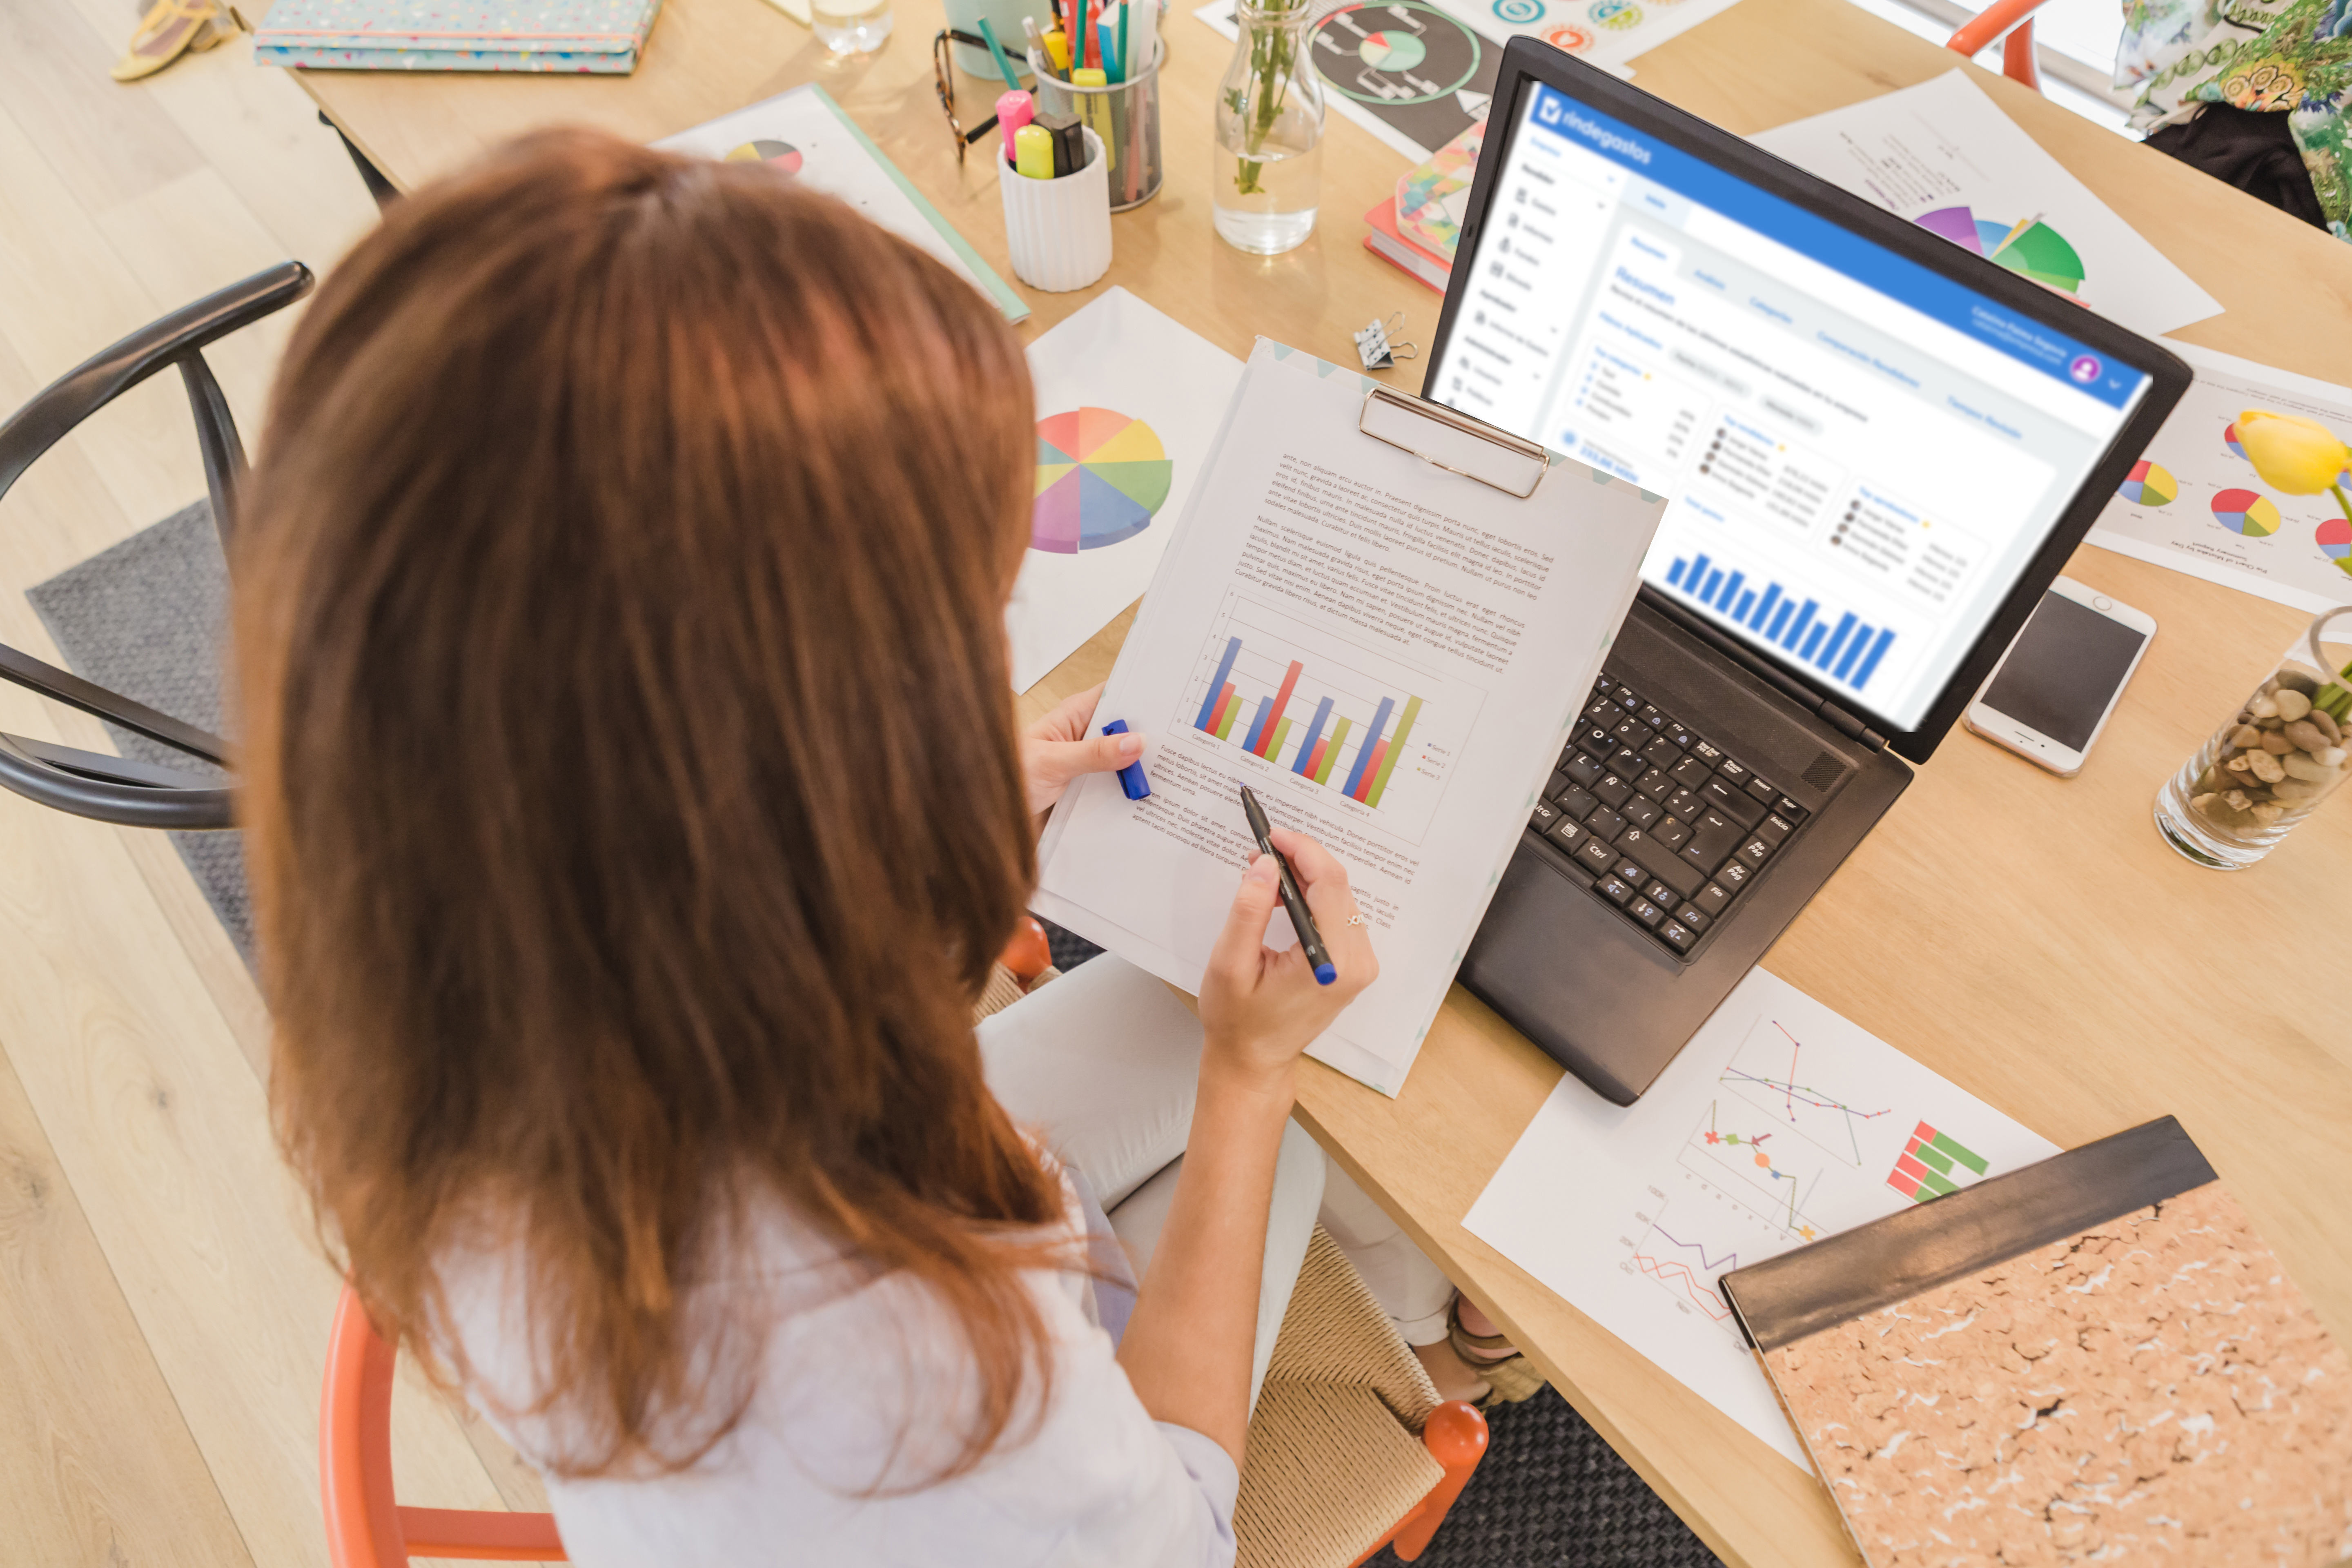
(1126, 115)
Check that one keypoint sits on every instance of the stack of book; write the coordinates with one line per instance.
(599, 36)
(1417, 229)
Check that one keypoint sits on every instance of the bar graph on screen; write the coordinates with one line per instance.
(1843, 644)
(1326, 714)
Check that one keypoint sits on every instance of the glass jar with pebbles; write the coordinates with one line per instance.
(2269, 765)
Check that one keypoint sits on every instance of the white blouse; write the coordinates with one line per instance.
(862, 1389)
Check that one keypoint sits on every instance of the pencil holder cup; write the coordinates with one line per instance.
(1059, 230)
(1126, 115)
(1004, 20)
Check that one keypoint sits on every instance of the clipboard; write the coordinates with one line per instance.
(1453, 441)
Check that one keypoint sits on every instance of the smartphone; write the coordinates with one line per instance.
(2050, 694)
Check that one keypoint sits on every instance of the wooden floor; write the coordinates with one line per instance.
(163, 1304)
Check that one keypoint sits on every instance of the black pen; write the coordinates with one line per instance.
(1294, 902)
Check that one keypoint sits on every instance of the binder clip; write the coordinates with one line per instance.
(1377, 345)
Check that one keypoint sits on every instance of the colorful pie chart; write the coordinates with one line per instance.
(2031, 246)
(783, 155)
(2229, 440)
(1397, 51)
(2149, 484)
(2334, 538)
(2246, 513)
(1102, 477)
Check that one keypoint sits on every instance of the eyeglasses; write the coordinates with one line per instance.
(943, 83)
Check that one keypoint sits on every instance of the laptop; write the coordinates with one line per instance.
(1879, 449)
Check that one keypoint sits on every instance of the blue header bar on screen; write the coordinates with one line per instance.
(2028, 341)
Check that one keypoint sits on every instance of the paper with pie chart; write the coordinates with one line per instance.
(803, 133)
(1781, 1122)
(1944, 155)
(1127, 409)
(2194, 503)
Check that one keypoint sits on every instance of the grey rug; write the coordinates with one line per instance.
(147, 618)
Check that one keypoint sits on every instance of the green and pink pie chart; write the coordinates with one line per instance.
(1102, 477)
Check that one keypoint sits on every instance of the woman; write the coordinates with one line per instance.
(635, 810)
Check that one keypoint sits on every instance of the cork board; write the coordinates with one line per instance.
(2154, 1390)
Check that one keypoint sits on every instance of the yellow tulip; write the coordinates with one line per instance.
(2297, 456)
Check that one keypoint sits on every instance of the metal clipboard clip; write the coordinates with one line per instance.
(1454, 442)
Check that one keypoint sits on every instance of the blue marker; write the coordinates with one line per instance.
(1130, 777)
(1294, 902)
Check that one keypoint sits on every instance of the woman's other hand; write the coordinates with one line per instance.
(1058, 749)
(1260, 1008)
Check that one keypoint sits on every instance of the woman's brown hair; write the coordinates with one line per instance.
(633, 796)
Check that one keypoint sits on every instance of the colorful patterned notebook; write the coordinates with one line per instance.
(574, 36)
(2092, 1360)
(1432, 197)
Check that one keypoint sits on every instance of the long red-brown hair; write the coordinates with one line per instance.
(632, 790)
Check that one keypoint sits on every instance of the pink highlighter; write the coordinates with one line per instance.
(1013, 110)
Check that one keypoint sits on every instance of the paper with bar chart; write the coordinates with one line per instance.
(1327, 715)
(1780, 1123)
(1387, 652)
(1944, 155)
(2196, 505)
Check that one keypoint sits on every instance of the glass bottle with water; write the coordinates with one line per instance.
(1268, 177)
(850, 26)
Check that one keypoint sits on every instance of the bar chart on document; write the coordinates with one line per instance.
(1329, 717)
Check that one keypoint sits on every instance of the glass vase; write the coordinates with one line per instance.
(2272, 762)
(1268, 177)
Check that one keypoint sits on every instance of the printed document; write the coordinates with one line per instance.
(1128, 403)
(1782, 1121)
(1944, 155)
(1389, 653)
(2192, 502)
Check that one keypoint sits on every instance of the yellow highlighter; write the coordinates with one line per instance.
(1033, 153)
(1092, 109)
(1057, 48)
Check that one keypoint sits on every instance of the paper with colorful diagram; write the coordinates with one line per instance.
(1780, 1122)
(2194, 503)
(1944, 155)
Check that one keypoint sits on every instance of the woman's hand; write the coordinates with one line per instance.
(1058, 749)
(1259, 1008)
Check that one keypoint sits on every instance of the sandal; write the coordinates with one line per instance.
(172, 28)
(1511, 1378)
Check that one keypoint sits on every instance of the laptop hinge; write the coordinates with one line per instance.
(1731, 648)
(1796, 691)
(1848, 724)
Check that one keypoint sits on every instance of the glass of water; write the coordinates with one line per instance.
(850, 26)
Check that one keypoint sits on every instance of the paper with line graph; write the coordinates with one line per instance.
(1780, 1123)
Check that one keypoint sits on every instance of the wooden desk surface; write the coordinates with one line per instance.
(2030, 938)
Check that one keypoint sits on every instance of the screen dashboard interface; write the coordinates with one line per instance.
(1861, 454)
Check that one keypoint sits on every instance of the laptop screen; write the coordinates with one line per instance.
(1862, 453)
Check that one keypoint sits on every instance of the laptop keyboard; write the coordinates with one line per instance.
(1671, 828)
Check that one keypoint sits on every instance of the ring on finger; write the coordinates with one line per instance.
(1355, 920)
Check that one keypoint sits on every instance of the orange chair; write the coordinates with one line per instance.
(1455, 1435)
(365, 1527)
(2014, 17)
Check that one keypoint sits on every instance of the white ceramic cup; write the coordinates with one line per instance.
(1059, 230)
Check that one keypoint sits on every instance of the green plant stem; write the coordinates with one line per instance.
(1272, 59)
